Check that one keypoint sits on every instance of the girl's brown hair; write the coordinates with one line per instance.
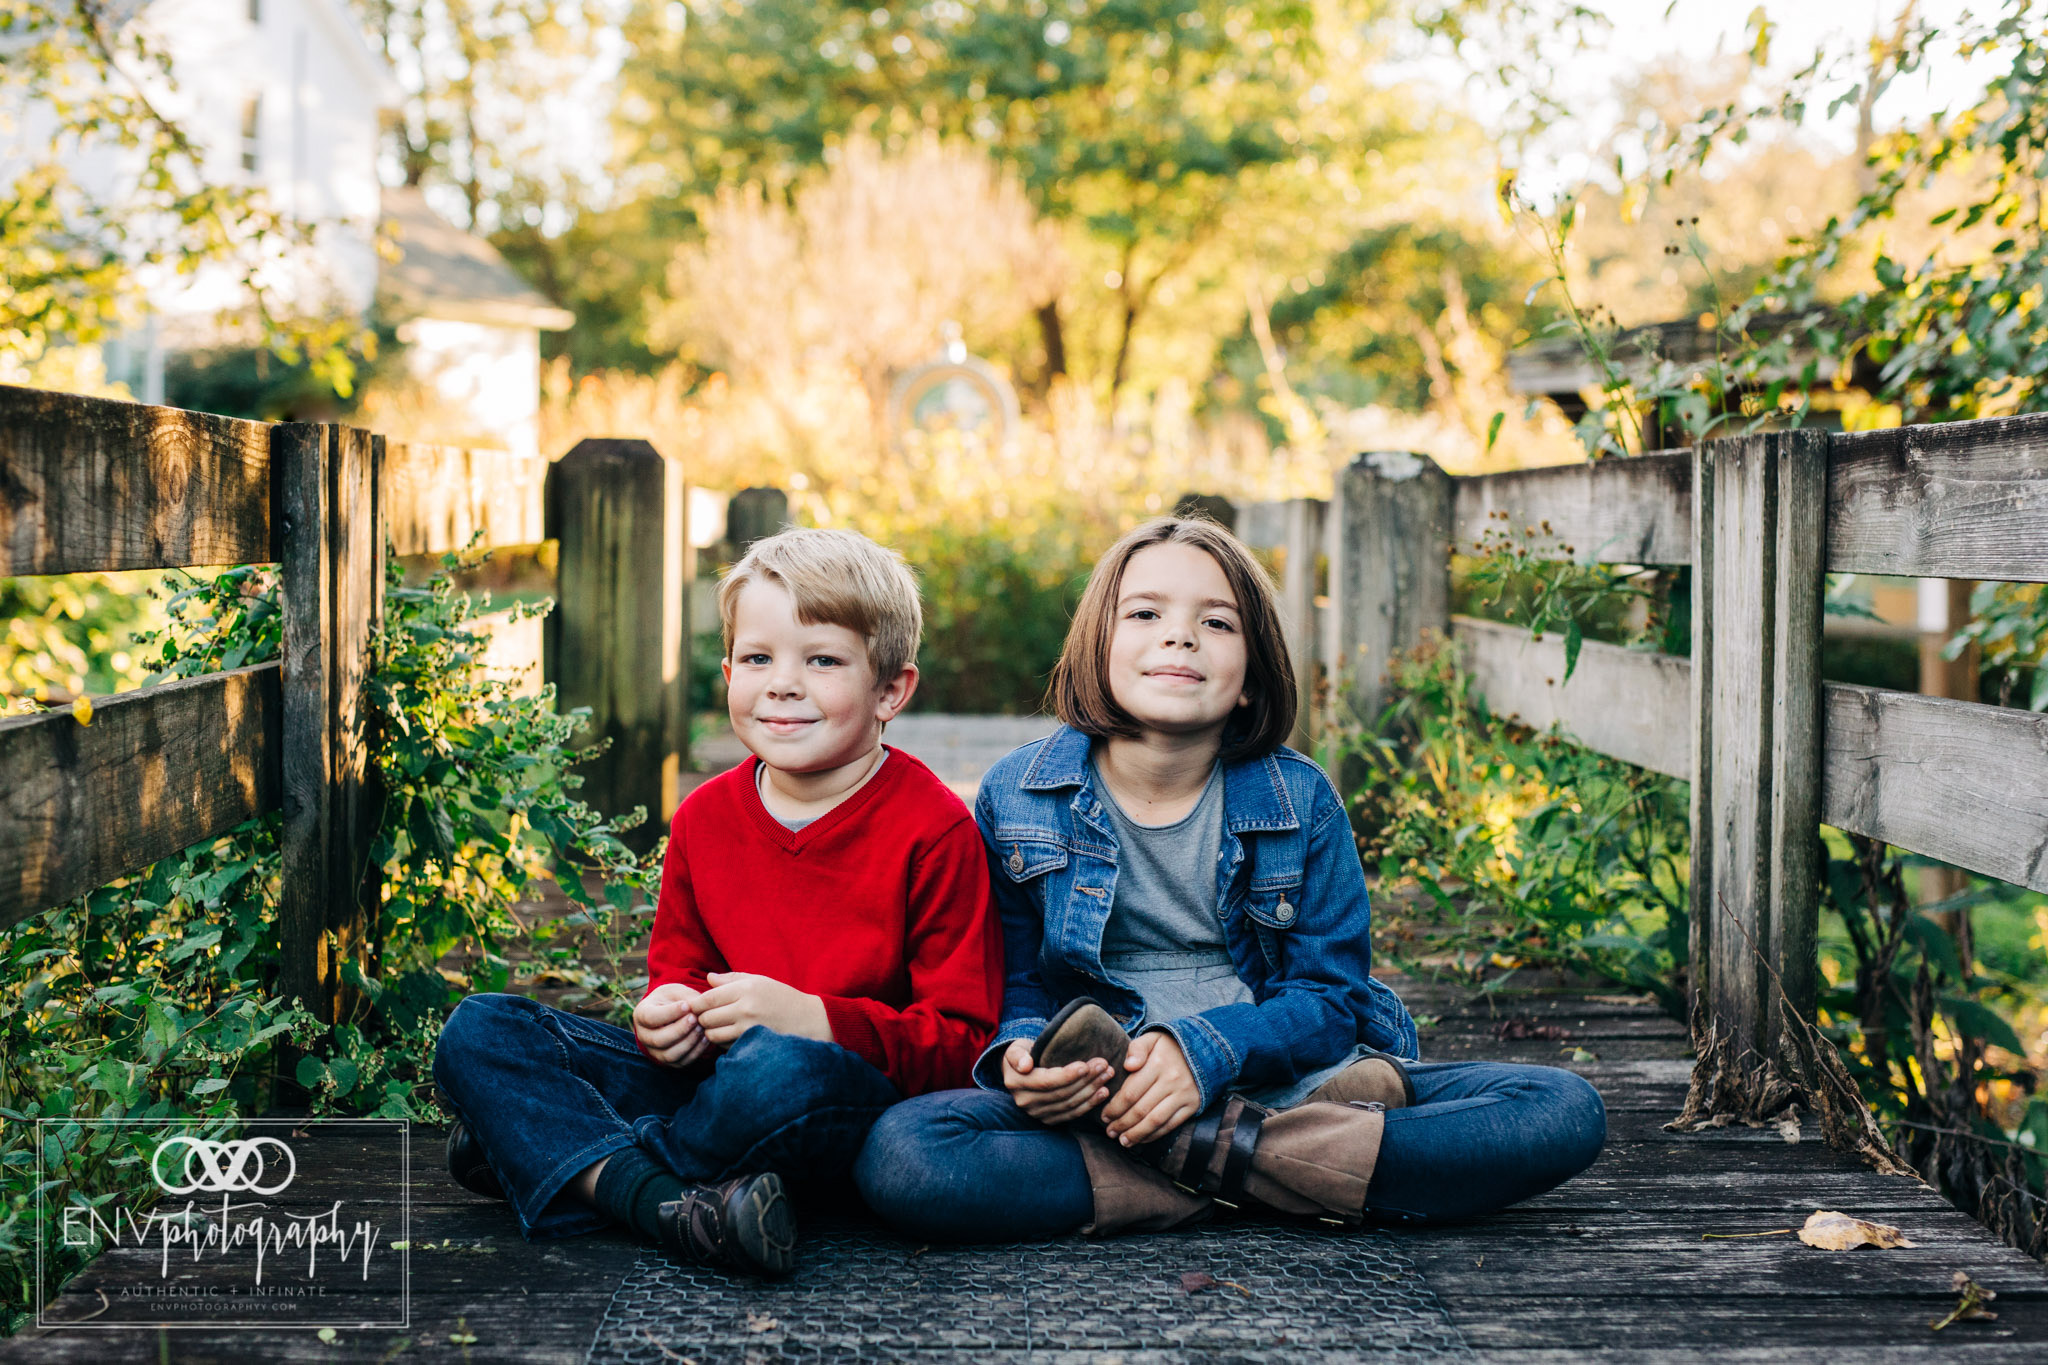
(1080, 694)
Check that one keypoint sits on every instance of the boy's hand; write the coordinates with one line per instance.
(738, 1001)
(666, 1028)
(1053, 1094)
(1159, 1095)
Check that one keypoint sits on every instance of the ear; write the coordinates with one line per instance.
(892, 696)
(1244, 699)
(725, 667)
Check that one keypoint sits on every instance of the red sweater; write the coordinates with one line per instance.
(880, 907)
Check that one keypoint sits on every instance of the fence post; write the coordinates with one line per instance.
(754, 514)
(331, 570)
(1390, 569)
(1295, 528)
(616, 642)
(1759, 509)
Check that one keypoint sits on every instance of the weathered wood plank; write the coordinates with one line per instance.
(619, 648)
(1759, 579)
(157, 771)
(1955, 780)
(1634, 511)
(331, 566)
(1627, 703)
(1390, 576)
(89, 485)
(437, 497)
(1294, 528)
(1802, 1330)
(1955, 500)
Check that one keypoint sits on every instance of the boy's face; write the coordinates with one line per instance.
(804, 698)
(1177, 651)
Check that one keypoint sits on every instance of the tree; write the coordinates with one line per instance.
(1172, 135)
(86, 78)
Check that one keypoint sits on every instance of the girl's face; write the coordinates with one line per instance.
(1177, 652)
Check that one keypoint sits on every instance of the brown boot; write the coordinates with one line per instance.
(1130, 1197)
(1373, 1079)
(1314, 1160)
(1083, 1030)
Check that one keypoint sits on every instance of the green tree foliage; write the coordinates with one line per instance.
(86, 79)
(1178, 137)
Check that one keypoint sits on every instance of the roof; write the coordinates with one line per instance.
(1559, 364)
(444, 272)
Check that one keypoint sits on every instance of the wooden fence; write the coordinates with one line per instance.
(1770, 749)
(92, 485)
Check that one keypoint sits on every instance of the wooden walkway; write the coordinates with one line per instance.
(1611, 1266)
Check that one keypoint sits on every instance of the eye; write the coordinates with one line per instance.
(1220, 623)
(827, 660)
(757, 660)
(1143, 614)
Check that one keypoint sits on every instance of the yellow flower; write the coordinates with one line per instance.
(82, 709)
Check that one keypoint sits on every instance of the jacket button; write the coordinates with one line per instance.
(1016, 862)
(1283, 911)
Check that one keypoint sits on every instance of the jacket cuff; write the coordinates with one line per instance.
(1209, 1055)
(988, 1067)
(853, 1028)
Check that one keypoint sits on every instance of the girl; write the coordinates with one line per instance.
(1188, 1014)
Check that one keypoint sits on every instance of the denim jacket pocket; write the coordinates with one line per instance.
(1024, 856)
(1273, 913)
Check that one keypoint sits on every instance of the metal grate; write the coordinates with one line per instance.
(860, 1294)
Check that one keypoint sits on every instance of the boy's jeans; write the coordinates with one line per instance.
(970, 1166)
(548, 1093)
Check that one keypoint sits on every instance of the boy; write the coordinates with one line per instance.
(823, 946)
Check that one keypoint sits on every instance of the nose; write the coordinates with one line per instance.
(1179, 633)
(786, 679)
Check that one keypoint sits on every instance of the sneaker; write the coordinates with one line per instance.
(744, 1224)
(466, 1162)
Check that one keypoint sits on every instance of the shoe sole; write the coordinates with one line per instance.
(765, 1227)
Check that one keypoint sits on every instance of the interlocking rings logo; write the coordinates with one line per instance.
(209, 1167)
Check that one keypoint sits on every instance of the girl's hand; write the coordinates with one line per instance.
(1053, 1094)
(738, 1001)
(1158, 1096)
(667, 1028)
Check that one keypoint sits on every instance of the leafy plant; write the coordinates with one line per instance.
(1530, 850)
(157, 996)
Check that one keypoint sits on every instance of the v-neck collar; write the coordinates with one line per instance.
(794, 840)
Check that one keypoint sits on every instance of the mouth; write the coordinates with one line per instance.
(784, 725)
(1176, 674)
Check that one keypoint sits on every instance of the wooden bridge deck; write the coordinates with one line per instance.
(1611, 1266)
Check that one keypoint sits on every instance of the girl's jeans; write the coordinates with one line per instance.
(970, 1166)
(548, 1093)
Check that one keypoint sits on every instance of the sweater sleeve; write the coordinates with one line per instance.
(679, 949)
(953, 956)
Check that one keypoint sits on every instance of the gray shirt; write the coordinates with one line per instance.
(1164, 938)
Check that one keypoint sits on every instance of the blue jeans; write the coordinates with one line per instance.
(548, 1093)
(970, 1166)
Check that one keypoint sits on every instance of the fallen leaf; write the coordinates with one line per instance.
(1840, 1232)
(81, 710)
(1736, 1236)
(761, 1322)
(328, 1335)
(1580, 1054)
(1787, 1124)
(462, 1338)
(1971, 1308)
(1195, 1281)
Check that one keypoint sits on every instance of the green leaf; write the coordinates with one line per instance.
(1493, 429)
(1573, 640)
(1980, 1021)
(311, 1073)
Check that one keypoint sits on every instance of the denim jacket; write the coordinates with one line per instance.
(1289, 889)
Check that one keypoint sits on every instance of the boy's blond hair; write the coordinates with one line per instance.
(837, 578)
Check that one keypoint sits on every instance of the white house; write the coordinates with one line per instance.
(288, 96)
